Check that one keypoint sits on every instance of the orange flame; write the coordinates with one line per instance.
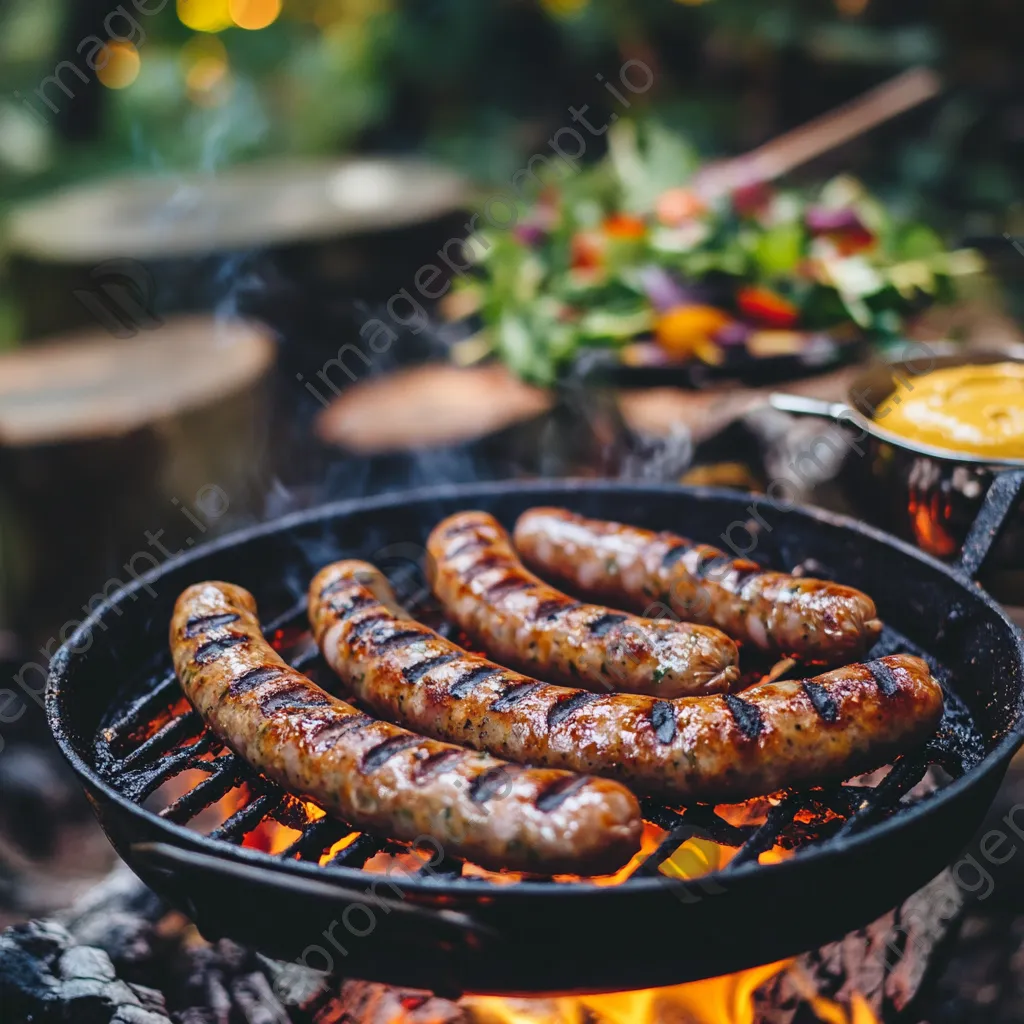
(833, 1013)
(725, 1000)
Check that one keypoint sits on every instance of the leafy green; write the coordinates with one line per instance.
(577, 269)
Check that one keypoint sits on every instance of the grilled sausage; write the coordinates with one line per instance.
(526, 624)
(811, 620)
(376, 775)
(717, 748)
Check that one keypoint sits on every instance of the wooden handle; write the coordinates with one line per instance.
(782, 154)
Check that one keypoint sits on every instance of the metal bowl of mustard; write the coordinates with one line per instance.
(929, 437)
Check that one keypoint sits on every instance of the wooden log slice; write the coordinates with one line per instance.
(103, 439)
(283, 229)
(429, 407)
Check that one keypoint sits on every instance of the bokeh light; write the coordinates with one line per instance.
(205, 15)
(118, 64)
(564, 8)
(254, 14)
(204, 63)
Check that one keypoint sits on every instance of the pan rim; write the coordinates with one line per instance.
(943, 359)
(1000, 754)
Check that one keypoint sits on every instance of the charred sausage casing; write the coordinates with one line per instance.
(376, 775)
(812, 620)
(520, 620)
(712, 749)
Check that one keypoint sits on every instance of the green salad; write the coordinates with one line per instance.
(623, 252)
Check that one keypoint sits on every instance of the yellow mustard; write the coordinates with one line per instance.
(978, 410)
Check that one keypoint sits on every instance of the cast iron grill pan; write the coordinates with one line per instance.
(852, 851)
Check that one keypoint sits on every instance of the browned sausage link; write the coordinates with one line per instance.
(376, 775)
(723, 747)
(525, 623)
(812, 620)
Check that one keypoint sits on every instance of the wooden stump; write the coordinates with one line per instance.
(259, 237)
(104, 442)
(429, 407)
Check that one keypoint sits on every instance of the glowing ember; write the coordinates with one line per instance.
(929, 515)
(341, 844)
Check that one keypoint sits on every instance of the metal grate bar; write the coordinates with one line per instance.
(667, 847)
(315, 839)
(701, 821)
(357, 853)
(164, 739)
(905, 775)
(247, 818)
(765, 835)
(138, 785)
(660, 815)
(225, 775)
(448, 870)
(142, 709)
(304, 655)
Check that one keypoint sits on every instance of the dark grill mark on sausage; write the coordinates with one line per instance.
(510, 585)
(473, 544)
(513, 695)
(379, 755)
(746, 715)
(822, 701)
(213, 649)
(743, 577)
(433, 765)
(414, 673)
(396, 640)
(663, 718)
(559, 791)
(883, 676)
(325, 733)
(551, 608)
(203, 623)
(491, 783)
(253, 678)
(466, 682)
(335, 586)
(565, 708)
(479, 567)
(674, 554)
(346, 609)
(365, 625)
(293, 695)
(713, 563)
(604, 623)
(456, 528)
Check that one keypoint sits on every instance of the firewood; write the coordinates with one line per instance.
(100, 436)
(348, 224)
(884, 963)
(427, 407)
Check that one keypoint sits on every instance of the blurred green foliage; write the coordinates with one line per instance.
(484, 83)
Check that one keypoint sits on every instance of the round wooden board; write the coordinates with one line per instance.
(261, 204)
(429, 407)
(92, 385)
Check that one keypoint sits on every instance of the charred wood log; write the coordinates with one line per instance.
(46, 977)
(120, 957)
(884, 963)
